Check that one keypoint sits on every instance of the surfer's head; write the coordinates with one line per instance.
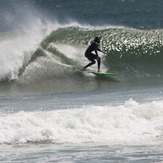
(97, 39)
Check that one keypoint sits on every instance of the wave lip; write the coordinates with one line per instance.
(131, 122)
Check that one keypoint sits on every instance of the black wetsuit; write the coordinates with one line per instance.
(91, 56)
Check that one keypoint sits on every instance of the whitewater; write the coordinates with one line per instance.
(90, 126)
(130, 122)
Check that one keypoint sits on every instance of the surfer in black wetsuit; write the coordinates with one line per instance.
(91, 56)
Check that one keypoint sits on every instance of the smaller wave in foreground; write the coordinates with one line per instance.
(131, 122)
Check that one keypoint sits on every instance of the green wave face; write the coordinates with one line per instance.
(56, 64)
(128, 48)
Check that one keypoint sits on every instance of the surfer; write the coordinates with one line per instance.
(91, 56)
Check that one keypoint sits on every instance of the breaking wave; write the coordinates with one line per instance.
(128, 50)
(130, 122)
(51, 56)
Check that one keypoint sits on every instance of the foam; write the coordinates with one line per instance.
(18, 46)
(16, 51)
(130, 122)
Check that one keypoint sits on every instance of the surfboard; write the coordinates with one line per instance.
(102, 73)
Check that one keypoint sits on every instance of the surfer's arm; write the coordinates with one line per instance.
(101, 50)
(96, 52)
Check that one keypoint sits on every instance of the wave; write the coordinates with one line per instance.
(51, 54)
(36, 35)
(130, 122)
(128, 50)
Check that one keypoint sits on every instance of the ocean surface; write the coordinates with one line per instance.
(50, 111)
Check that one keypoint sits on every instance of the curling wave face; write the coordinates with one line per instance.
(58, 54)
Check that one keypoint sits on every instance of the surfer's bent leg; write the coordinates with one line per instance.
(90, 64)
(92, 58)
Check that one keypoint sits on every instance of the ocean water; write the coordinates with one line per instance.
(50, 111)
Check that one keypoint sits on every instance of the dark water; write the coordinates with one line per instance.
(131, 13)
